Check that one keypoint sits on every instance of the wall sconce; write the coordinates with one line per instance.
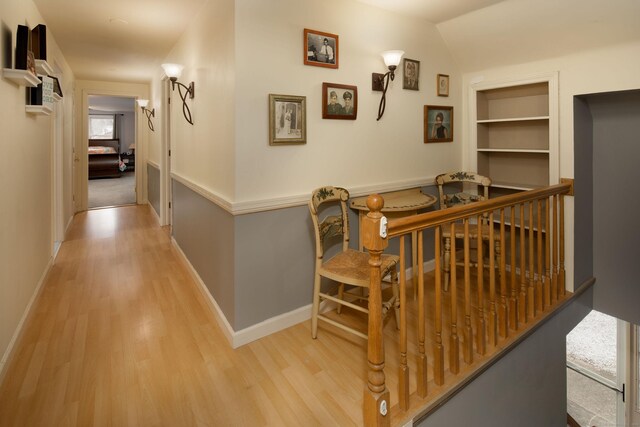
(380, 82)
(149, 113)
(173, 71)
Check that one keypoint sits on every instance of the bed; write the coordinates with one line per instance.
(104, 158)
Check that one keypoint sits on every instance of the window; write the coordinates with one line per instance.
(102, 127)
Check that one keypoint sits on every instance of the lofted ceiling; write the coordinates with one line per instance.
(126, 40)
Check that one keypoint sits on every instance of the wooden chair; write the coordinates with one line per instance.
(447, 200)
(348, 266)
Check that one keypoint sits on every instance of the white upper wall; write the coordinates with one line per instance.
(352, 154)
(203, 153)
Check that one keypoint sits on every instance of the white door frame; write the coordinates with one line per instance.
(81, 174)
(633, 383)
(57, 190)
(165, 157)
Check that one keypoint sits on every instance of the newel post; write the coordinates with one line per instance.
(376, 394)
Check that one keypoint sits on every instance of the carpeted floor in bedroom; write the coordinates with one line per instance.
(112, 191)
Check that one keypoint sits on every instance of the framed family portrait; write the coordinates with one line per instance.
(339, 101)
(287, 119)
(443, 85)
(438, 123)
(410, 74)
(320, 49)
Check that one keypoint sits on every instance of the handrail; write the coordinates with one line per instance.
(506, 303)
(407, 224)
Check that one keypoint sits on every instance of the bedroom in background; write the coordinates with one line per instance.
(111, 151)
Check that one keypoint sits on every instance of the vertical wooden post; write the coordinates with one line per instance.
(493, 321)
(554, 260)
(403, 370)
(376, 404)
(561, 272)
(422, 354)
(438, 351)
(522, 297)
(531, 298)
(547, 254)
(480, 328)
(503, 324)
(467, 333)
(539, 299)
(513, 301)
(454, 341)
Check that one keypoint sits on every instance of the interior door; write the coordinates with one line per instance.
(597, 355)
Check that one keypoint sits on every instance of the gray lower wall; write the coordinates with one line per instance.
(257, 266)
(527, 387)
(153, 187)
(205, 233)
(616, 176)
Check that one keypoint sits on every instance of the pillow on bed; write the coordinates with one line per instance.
(102, 150)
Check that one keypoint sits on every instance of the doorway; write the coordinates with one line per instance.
(111, 147)
(597, 355)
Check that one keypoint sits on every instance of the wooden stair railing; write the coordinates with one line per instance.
(507, 304)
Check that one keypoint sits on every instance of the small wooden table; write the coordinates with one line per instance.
(397, 204)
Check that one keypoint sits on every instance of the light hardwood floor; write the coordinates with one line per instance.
(121, 335)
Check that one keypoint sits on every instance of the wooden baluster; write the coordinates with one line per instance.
(513, 301)
(503, 324)
(467, 332)
(480, 328)
(561, 273)
(403, 374)
(376, 393)
(531, 297)
(438, 351)
(554, 260)
(547, 254)
(522, 297)
(539, 299)
(454, 341)
(422, 356)
(493, 321)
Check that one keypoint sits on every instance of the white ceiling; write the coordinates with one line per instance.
(117, 40)
(434, 11)
(126, 40)
(111, 104)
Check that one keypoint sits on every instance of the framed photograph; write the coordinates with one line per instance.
(410, 74)
(57, 89)
(287, 119)
(438, 123)
(443, 85)
(339, 101)
(320, 49)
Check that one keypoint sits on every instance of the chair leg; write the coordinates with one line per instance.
(341, 296)
(447, 262)
(316, 306)
(394, 288)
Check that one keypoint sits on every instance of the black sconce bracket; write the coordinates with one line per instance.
(189, 90)
(149, 114)
(380, 82)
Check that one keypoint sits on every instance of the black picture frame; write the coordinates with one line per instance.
(410, 74)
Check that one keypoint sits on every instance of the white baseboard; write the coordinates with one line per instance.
(8, 354)
(266, 327)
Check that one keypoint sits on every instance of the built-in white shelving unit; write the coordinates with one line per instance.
(43, 68)
(514, 131)
(38, 109)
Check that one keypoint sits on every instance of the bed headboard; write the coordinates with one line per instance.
(115, 143)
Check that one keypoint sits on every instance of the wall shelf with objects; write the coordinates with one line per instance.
(514, 132)
(21, 77)
(38, 109)
(43, 68)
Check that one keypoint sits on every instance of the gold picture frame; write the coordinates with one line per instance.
(287, 119)
(442, 84)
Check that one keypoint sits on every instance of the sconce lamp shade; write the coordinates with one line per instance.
(392, 57)
(142, 102)
(173, 71)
